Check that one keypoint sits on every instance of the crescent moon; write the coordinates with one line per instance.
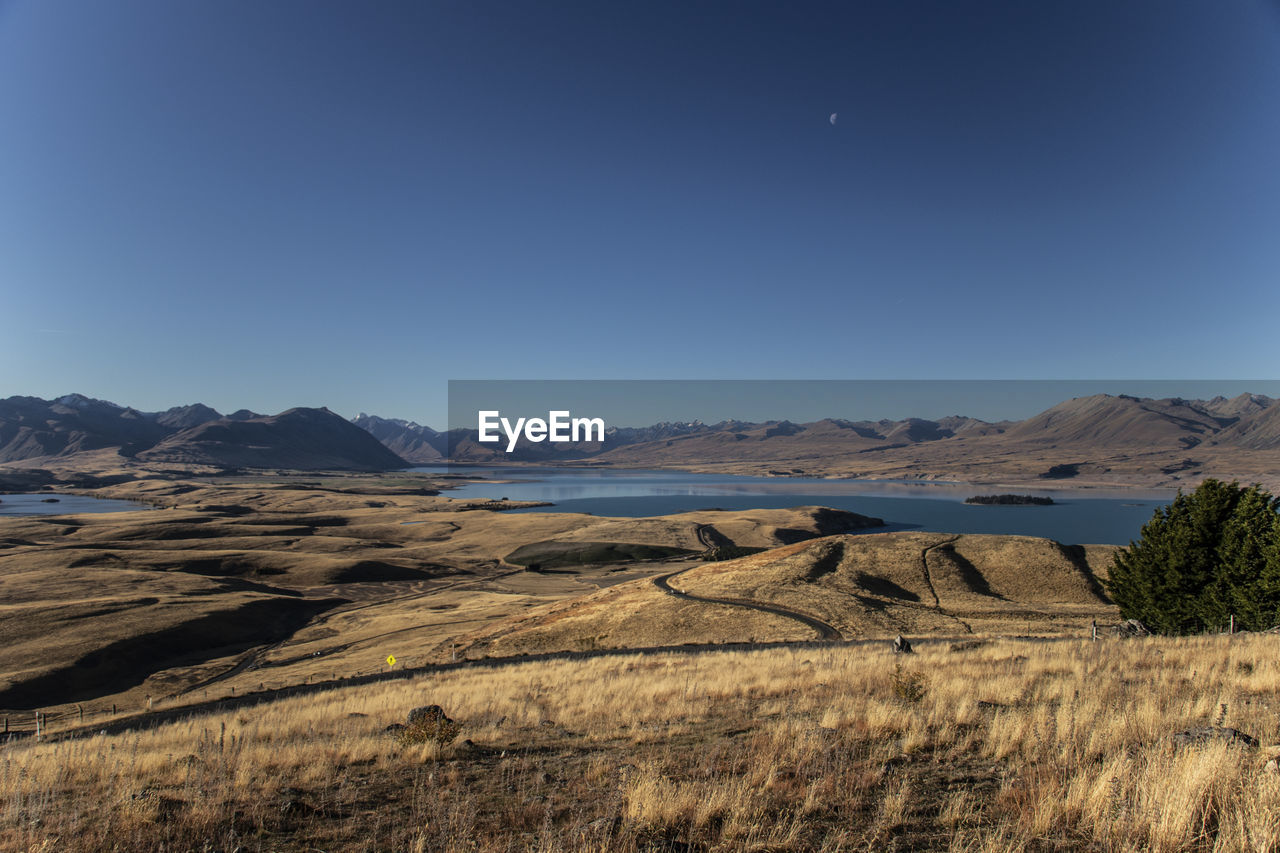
(833, 117)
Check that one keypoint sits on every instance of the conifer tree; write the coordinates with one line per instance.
(1208, 556)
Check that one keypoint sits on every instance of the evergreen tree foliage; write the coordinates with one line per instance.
(1209, 555)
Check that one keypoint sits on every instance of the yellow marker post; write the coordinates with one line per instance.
(391, 661)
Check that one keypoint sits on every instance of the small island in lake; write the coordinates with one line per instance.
(1009, 500)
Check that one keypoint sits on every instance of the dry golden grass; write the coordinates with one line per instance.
(800, 749)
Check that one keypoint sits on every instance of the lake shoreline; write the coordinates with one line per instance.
(26, 504)
(1087, 490)
(1094, 516)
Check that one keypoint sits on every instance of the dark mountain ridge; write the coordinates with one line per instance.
(298, 438)
(32, 428)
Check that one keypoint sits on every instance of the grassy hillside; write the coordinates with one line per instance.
(1007, 746)
(863, 585)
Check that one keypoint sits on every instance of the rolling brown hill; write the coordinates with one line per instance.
(859, 585)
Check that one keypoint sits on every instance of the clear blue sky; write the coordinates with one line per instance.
(269, 204)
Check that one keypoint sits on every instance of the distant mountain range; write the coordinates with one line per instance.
(1249, 420)
(412, 442)
(1091, 437)
(32, 428)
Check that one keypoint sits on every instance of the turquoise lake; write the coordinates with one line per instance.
(1078, 516)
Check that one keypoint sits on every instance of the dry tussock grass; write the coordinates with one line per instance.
(801, 749)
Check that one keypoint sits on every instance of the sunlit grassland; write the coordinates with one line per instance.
(782, 749)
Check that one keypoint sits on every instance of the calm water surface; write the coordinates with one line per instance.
(1077, 516)
(66, 505)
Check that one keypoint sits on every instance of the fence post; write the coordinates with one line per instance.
(1232, 629)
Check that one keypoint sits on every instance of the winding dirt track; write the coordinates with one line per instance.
(928, 579)
(825, 631)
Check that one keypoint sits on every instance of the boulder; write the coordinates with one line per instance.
(428, 713)
(1131, 628)
(429, 723)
